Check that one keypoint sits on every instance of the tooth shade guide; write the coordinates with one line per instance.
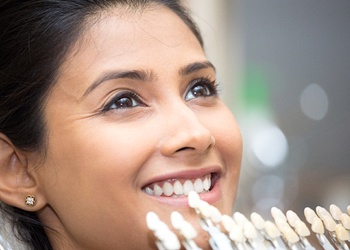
(322, 212)
(166, 239)
(257, 220)
(236, 234)
(310, 214)
(341, 233)
(215, 215)
(193, 199)
(272, 230)
(317, 226)
(292, 218)
(249, 231)
(240, 219)
(335, 212)
(288, 232)
(183, 226)
(176, 220)
(290, 236)
(278, 214)
(345, 220)
(227, 222)
(329, 223)
(152, 219)
(301, 229)
(282, 225)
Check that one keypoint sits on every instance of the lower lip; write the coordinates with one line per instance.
(211, 197)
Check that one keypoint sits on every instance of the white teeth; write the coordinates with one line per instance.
(188, 187)
(167, 189)
(198, 186)
(149, 190)
(207, 184)
(176, 188)
(158, 191)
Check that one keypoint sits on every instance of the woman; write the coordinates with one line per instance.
(109, 109)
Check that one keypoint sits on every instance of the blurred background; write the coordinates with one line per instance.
(284, 70)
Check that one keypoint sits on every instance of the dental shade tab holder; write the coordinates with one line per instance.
(4, 245)
(4, 237)
(286, 231)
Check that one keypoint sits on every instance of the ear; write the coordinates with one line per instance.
(17, 180)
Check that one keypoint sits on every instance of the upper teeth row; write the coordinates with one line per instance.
(177, 188)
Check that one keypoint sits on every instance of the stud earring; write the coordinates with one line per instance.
(30, 200)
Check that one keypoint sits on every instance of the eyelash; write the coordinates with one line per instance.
(129, 96)
(211, 88)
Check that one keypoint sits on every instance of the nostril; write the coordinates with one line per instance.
(184, 148)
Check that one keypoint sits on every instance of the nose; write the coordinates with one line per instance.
(185, 133)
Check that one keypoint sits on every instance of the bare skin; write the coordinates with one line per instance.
(135, 104)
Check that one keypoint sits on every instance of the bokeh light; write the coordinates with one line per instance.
(314, 102)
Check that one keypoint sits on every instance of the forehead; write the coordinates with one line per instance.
(125, 38)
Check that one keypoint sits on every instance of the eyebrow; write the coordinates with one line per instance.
(143, 75)
(128, 74)
(196, 66)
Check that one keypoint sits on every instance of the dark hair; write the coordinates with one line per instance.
(35, 36)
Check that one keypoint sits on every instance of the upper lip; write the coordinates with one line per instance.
(184, 174)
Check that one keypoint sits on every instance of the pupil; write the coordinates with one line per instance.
(124, 102)
(199, 91)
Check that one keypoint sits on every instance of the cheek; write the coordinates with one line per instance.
(228, 142)
(98, 166)
(105, 154)
(227, 136)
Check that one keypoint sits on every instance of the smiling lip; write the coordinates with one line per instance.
(199, 177)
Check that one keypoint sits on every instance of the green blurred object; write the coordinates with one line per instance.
(255, 90)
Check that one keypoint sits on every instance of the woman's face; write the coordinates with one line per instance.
(134, 113)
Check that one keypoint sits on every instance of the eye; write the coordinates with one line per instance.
(124, 100)
(201, 88)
